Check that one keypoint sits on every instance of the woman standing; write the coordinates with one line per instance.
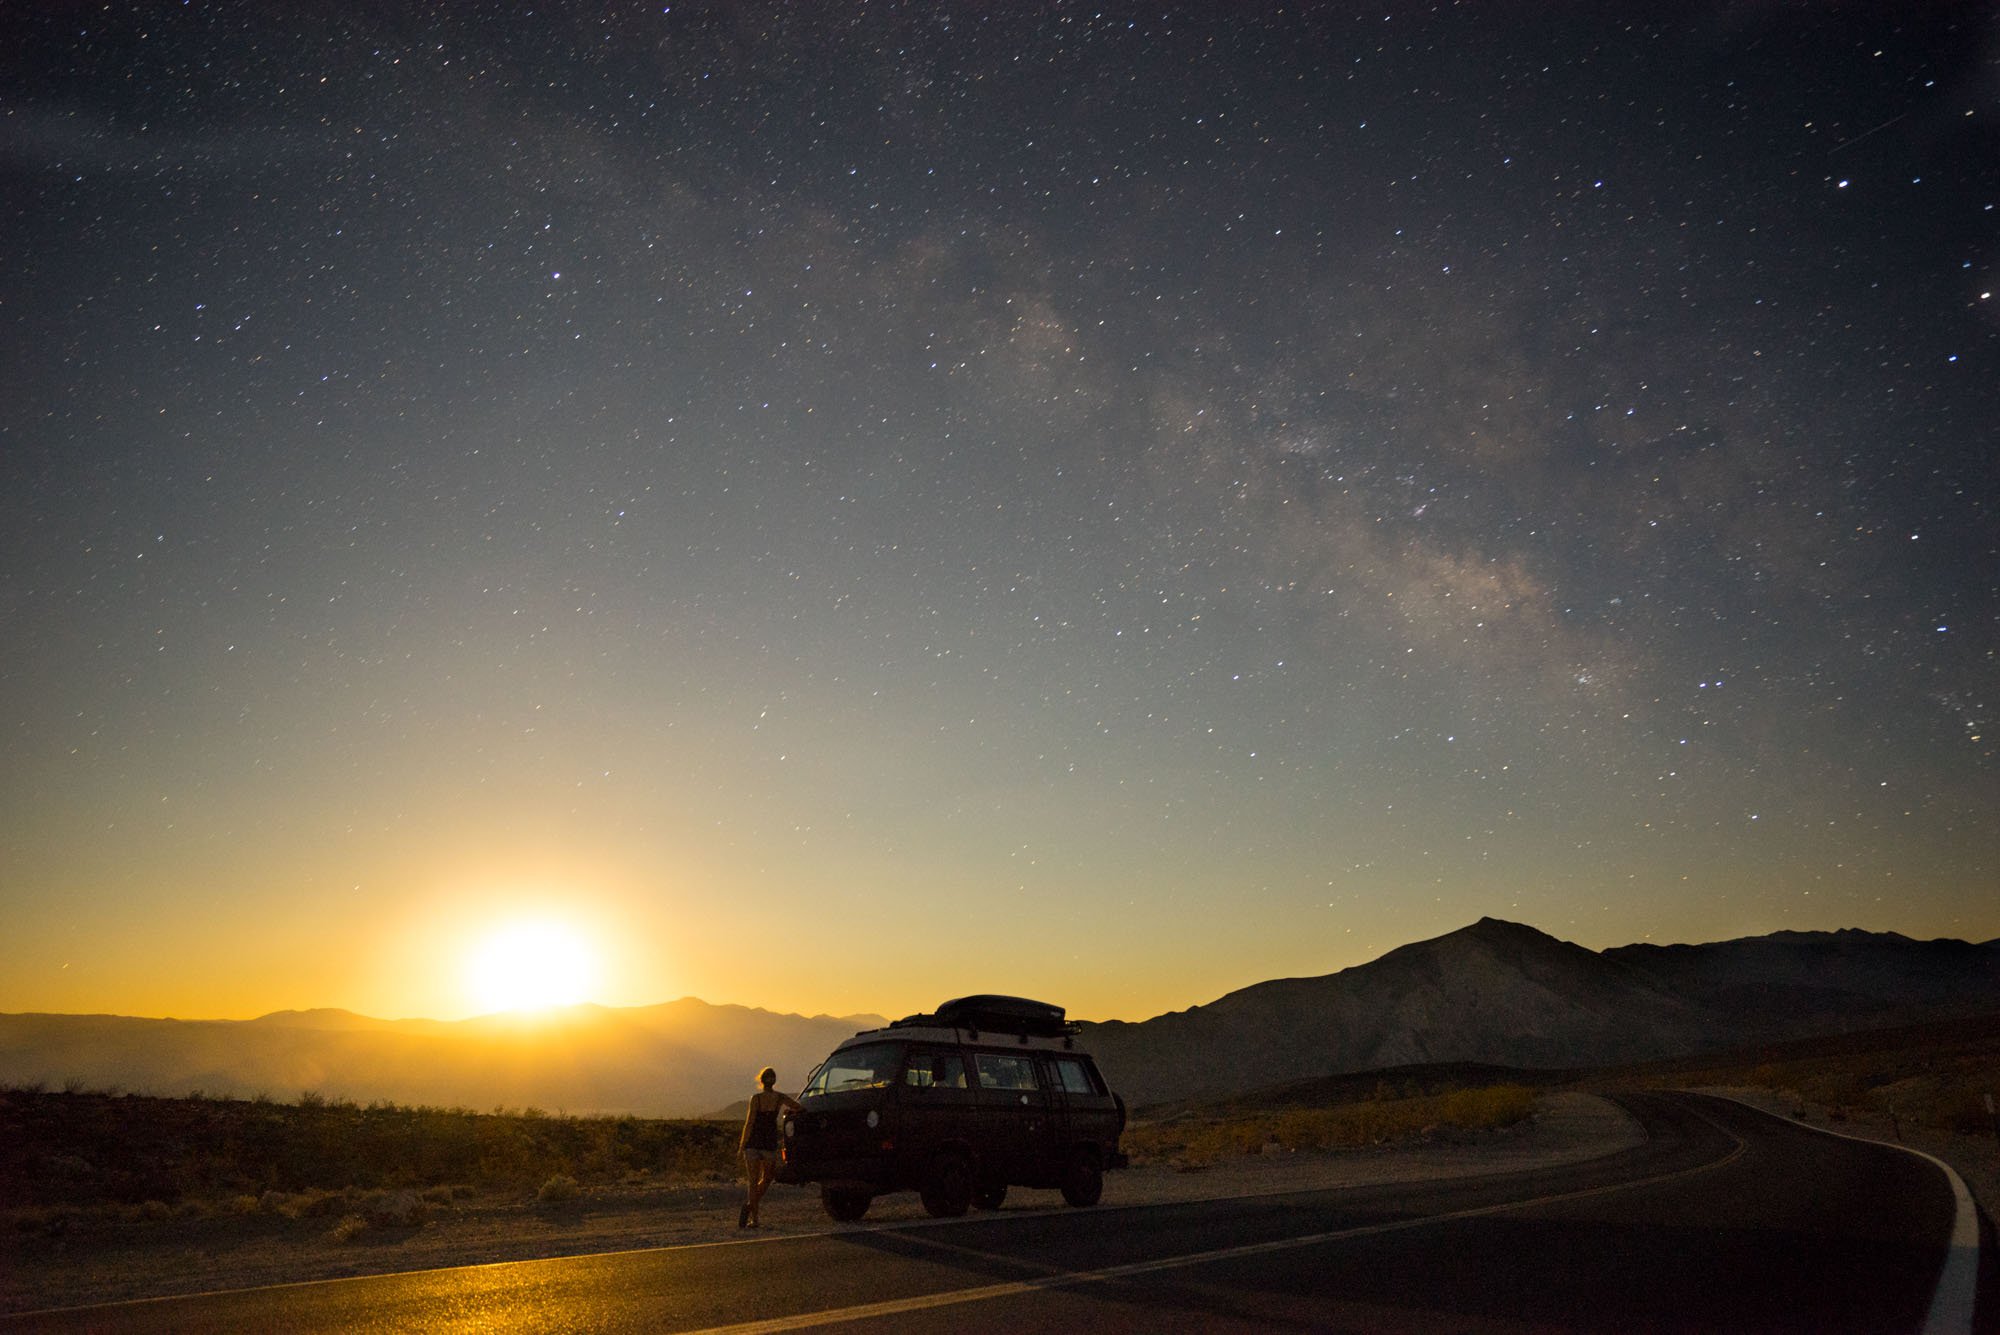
(759, 1142)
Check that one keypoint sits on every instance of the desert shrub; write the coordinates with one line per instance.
(1840, 1089)
(289, 1205)
(558, 1189)
(50, 1221)
(1960, 1109)
(1486, 1109)
(395, 1209)
(74, 1172)
(1347, 1125)
(92, 1148)
(314, 1204)
(1194, 1144)
(348, 1229)
(152, 1211)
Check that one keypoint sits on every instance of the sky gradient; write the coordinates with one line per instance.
(847, 505)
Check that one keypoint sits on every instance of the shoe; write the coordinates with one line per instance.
(743, 1216)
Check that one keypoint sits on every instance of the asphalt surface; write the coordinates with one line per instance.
(1724, 1220)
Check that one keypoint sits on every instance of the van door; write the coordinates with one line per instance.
(1013, 1117)
(937, 1108)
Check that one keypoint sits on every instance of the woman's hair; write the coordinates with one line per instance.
(767, 1077)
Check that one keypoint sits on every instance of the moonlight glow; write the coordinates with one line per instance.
(529, 966)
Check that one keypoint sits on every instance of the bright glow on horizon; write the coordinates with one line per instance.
(530, 965)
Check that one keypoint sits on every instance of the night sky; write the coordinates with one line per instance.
(845, 504)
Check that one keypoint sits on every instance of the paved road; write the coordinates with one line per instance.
(1724, 1220)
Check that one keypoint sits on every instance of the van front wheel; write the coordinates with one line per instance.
(1083, 1180)
(947, 1190)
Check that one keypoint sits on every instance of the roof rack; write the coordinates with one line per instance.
(1001, 1015)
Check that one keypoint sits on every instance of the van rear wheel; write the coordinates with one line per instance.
(947, 1189)
(989, 1198)
(1083, 1180)
(844, 1203)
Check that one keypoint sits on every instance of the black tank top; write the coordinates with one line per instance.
(763, 1131)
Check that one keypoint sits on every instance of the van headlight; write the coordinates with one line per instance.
(874, 1119)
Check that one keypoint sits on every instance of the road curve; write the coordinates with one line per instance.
(1725, 1219)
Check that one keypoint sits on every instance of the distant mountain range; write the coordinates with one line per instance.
(1503, 994)
(1495, 993)
(682, 1059)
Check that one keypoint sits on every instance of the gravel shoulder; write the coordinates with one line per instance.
(157, 1259)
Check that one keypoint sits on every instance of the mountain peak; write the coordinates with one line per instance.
(1498, 933)
(319, 1017)
(1491, 926)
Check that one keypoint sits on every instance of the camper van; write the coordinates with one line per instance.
(984, 1093)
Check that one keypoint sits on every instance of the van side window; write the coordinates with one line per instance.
(1074, 1077)
(935, 1070)
(1000, 1071)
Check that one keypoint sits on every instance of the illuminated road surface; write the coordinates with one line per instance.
(1725, 1220)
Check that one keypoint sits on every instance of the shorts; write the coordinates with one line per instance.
(760, 1156)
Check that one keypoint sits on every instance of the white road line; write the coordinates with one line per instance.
(1016, 1288)
(974, 1253)
(1958, 1282)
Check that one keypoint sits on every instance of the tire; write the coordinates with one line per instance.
(1083, 1180)
(844, 1203)
(947, 1189)
(989, 1198)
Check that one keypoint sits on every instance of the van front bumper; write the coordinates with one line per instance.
(869, 1171)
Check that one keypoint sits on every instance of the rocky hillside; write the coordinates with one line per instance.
(1502, 993)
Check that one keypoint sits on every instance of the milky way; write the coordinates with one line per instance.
(1170, 496)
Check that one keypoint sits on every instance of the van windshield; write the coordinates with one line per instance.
(869, 1066)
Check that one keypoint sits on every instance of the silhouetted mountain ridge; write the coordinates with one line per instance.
(680, 1058)
(1495, 993)
(1504, 994)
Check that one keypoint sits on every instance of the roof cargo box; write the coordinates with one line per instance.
(1005, 1015)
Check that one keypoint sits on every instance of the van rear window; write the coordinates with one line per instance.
(870, 1066)
(1074, 1077)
